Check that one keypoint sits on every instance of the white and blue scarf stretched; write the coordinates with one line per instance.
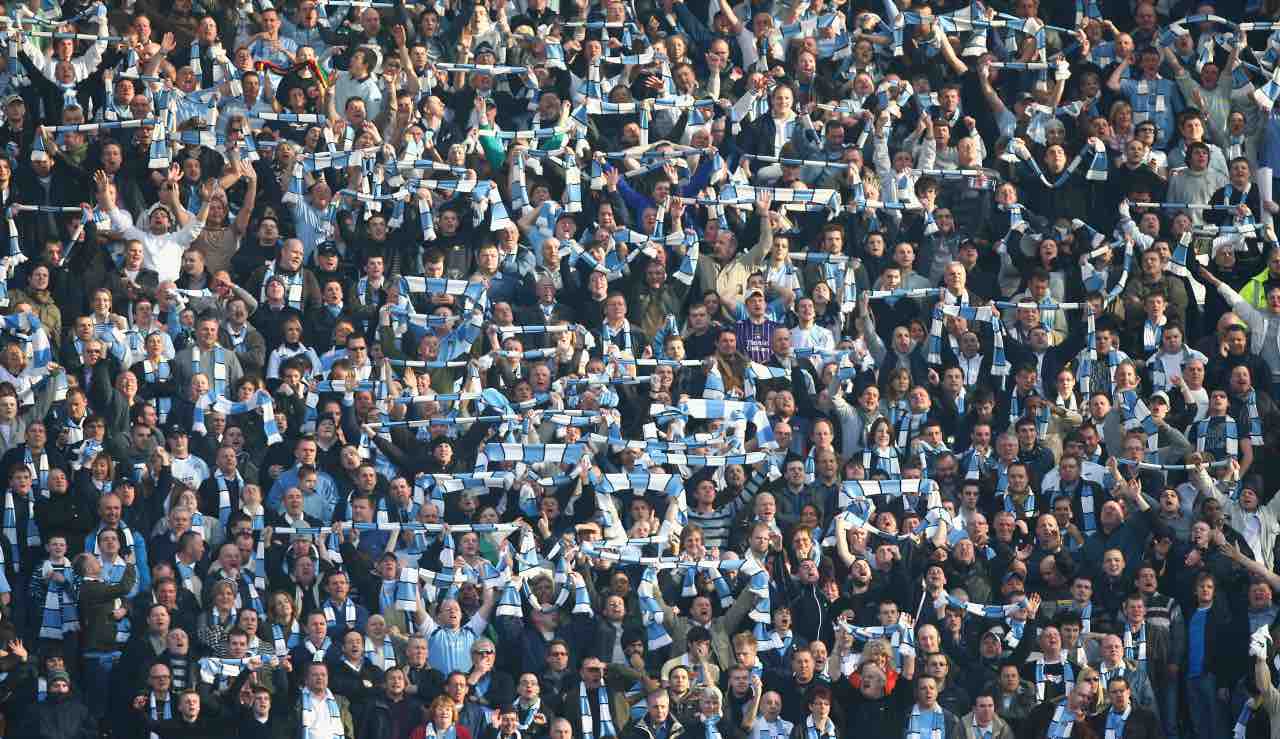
(155, 713)
(656, 635)
(157, 372)
(1240, 730)
(39, 470)
(318, 653)
(1229, 442)
(293, 292)
(348, 614)
(884, 460)
(527, 713)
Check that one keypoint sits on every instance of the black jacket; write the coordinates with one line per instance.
(387, 720)
(1141, 724)
(59, 717)
(276, 726)
(361, 688)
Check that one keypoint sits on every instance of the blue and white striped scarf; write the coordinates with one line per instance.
(60, 616)
(606, 715)
(308, 707)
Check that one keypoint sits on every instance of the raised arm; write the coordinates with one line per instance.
(758, 252)
(948, 53)
(1117, 74)
(245, 215)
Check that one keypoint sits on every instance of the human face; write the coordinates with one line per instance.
(318, 677)
(659, 708)
(1118, 693)
(558, 657)
(189, 706)
(1205, 591)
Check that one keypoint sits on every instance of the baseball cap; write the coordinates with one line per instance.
(327, 248)
(14, 99)
(1161, 396)
(754, 292)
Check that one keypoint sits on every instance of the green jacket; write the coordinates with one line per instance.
(97, 601)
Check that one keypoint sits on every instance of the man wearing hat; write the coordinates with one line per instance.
(59, 716)
(755, 332)
(327, 264)
(478, 102)
(377, 588)
(15, 135)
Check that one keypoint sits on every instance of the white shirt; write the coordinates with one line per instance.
(161, 253)
(369, 89)
(763, 728)
(1253, 532)
(191, 470)
(319, 721)
(814, 337)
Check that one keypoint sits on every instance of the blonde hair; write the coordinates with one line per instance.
(1100, 697)
(442, 701)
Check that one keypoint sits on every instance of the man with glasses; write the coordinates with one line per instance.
(156, 701)
(556, 674)
(358, 353)
(490, 687)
